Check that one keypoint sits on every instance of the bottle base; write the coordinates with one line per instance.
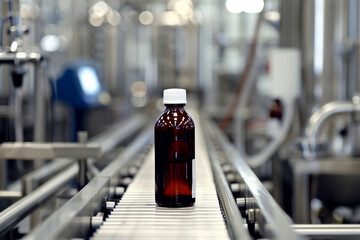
(175, 202)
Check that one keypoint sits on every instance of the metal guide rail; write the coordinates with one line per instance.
(74, 218)
(107, 140)
(263, 215)
(136, 215)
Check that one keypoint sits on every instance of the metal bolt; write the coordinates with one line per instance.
(356, 98)
(97, 220)
(250, 202)
(227, 168)
(235, 187)
(258, 215)
(132, 170)
(82, 137)
(110, 205)
(126, 181)
(241, 202)
(230, 177)
(238, 187)
(251, 215)
(256, 228)
(119, 191)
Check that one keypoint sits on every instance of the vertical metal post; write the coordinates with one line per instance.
(290, 23)
(39, 136)
(4, 85)
(3, 172)
(82, 178)
(277, 173)
(39, 127)
(28, 185)
(357, 47)
(19, 135)
(301, 209)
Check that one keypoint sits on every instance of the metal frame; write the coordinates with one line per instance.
(328, 231)
(277, 224)
(76, 212)
(20, 57)
(87, 202)
(35, 58)
(302, 170)
(43, 151)
(33, 179)
(13, 214)
(13, 195)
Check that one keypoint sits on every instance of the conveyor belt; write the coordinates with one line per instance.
(136, 216)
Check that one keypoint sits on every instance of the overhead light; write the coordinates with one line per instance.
(50, 43)
(139, 96)
(146, 18)
(272, 16)
(234, 6)
(96, 21)
(113, 18)
(99, 9)
(183, 7)
(171, 18)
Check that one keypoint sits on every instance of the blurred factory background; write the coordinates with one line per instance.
(273, 85)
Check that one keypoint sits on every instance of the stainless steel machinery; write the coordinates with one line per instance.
(231, 201)
(328, 168)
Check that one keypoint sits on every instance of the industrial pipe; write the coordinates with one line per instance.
(318, 118)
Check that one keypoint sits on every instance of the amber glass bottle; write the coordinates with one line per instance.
(175, 153)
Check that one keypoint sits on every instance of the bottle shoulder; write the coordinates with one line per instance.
(171, 118)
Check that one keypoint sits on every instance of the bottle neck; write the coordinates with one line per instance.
(180, 105)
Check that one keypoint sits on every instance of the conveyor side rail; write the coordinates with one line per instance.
(271, 219)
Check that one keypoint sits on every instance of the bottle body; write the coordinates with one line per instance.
(175, 158)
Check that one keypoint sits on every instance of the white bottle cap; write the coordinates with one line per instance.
(174, 96)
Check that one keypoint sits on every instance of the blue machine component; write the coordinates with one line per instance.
(79, 86)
